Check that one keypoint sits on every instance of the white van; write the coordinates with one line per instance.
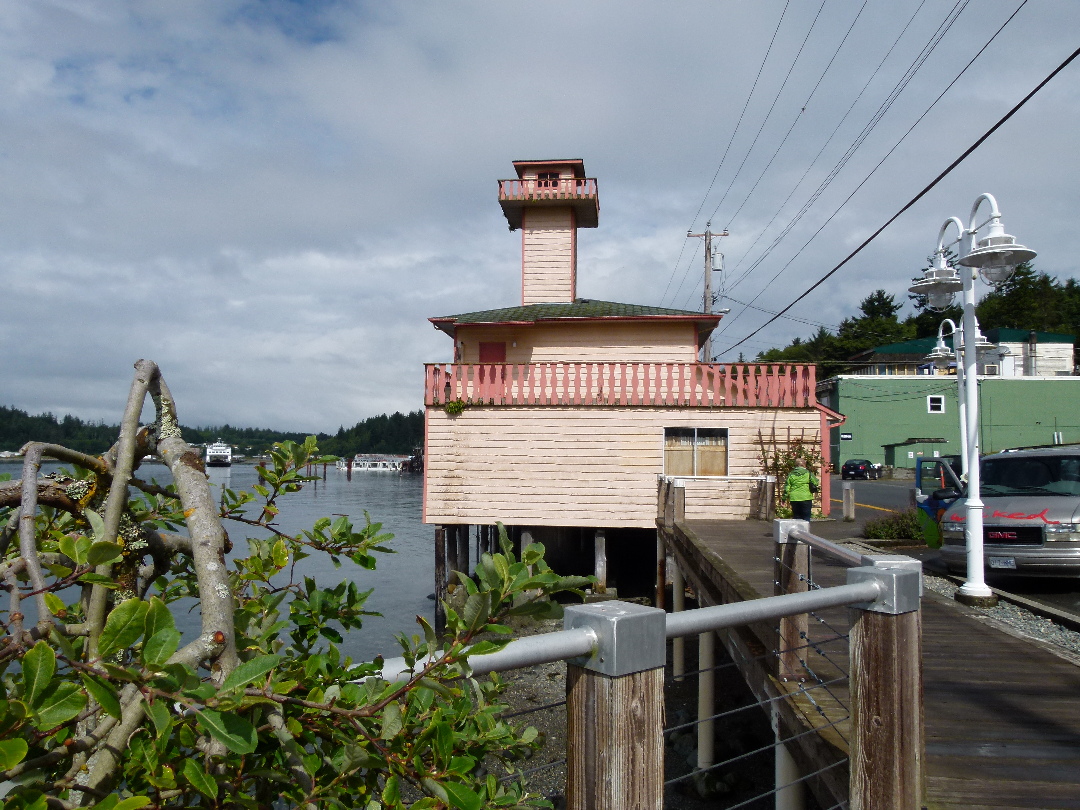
(1031, 514)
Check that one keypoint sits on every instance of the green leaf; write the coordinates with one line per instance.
(59, 705)
(236, 733)
(391, 721)
(132, 803)
(90, 578)
(280, 554)
(103, 695)
(96, 523)
(123, 627)
(390, 792)
(159, 714)
(54, 603)
(101, 553)
(461, 797)
(39, 666)
(159, 648)
(477, 610)
(70, 549)
(158, 618)
(199, 779)
(250, 671)
(12, 753)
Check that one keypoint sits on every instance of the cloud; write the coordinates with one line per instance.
(271, 198)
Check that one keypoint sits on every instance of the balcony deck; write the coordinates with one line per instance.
(690, 385)
(580, 193)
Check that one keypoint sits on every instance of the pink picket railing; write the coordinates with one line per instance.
(554, 189)
(763, 385)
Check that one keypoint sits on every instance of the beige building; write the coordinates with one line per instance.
(560, 415)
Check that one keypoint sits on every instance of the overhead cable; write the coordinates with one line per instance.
(948, 170)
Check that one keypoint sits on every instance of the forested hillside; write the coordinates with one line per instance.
(1028, 300)
(387, 433)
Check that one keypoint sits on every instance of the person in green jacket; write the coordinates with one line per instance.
(799, 489)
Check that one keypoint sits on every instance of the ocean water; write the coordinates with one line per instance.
(401, 581)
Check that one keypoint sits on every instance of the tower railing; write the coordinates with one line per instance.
(560, 188)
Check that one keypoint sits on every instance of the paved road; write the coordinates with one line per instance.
(875, 499)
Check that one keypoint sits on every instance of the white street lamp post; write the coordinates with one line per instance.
(995, 257)
(943, 354)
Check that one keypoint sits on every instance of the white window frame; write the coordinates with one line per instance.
(935, 403)
(696, 433)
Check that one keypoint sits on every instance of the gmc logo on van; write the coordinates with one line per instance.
(1001, 536)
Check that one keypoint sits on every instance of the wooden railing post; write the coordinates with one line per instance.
(440, 579)
(887, 738)
(615, 709)
(791, 574)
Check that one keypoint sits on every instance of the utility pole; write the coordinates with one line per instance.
(708, 235)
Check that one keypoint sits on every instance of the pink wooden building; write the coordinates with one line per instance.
(559, 415)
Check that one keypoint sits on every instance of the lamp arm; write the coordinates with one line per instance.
(941, 246)
(996, 228)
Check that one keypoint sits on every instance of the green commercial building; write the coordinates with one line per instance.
(902, 408)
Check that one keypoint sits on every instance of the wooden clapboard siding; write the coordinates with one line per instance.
(583, 466)
(589, 342)
(548, 260)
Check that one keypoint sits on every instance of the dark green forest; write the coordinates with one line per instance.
(1028, 300)
(388, 433)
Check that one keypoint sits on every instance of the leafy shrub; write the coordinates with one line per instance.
(897, 526)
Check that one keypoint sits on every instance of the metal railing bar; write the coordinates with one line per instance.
(735, 614)
(530, 651)
(845, 555)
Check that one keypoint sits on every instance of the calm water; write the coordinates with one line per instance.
(402, 581)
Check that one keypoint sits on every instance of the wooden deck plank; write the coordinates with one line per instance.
(1002, 712)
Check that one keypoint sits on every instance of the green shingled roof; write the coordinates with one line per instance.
(580, 308)
(922, 346)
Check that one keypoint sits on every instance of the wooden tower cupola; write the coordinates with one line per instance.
(549, 200)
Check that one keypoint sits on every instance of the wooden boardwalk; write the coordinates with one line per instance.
(1002, 713)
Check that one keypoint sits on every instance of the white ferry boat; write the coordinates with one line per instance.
(218, 454)
(370, 462)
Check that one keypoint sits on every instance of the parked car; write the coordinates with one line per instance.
(1031, 514)
(860, 468)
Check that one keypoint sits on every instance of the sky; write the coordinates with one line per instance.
(270, 199)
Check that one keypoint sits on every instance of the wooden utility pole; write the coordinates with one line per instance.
(708, 236)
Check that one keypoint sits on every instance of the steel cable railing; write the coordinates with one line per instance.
(612, 747)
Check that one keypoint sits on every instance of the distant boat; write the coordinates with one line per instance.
(218, 454)
(371, 462)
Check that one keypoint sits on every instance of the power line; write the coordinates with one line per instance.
(797, 118)
(829, 140)
(723, 158)
(919, 61)
(863, 182)
(948, 170)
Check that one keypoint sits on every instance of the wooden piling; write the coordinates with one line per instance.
(440, 580)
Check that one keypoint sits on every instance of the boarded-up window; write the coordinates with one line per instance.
(492, 352)
(695, 451)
